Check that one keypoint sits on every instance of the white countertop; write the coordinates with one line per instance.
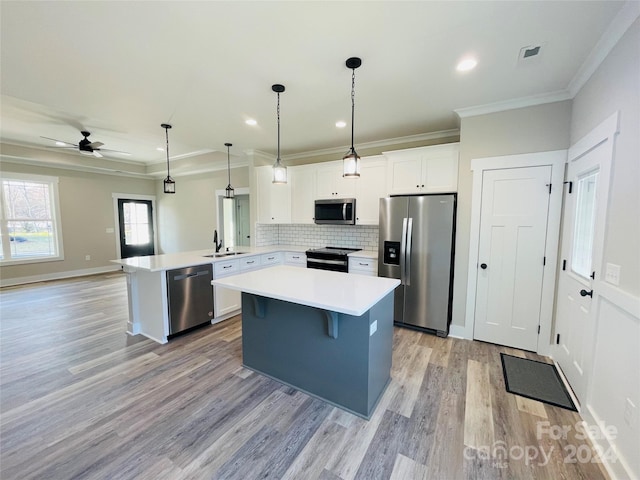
(334, 291)
(169, 261)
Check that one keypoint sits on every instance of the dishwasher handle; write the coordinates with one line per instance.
(189, 275)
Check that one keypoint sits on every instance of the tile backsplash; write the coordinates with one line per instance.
(352, 236)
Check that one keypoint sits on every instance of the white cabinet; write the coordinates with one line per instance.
(225, 301)
(249, 263)
(372, 185)
(303, 193)
(273, 200)
(363, 265)
(432, 169)
(270, 259)
(331, 184)
(296, 259)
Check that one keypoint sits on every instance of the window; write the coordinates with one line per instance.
(29, 219)
(585, 219)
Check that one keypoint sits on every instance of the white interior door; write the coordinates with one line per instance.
(584, 217)
(513, 228)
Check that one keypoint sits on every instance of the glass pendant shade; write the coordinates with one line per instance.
(169, 185)
(279, 172)
(351, 164)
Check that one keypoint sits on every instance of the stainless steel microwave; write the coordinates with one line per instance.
(336, 211)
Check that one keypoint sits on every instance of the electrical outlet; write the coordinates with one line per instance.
(630, 412)
(109, 230)
(373, 327)
(612, 274)
(87, 257)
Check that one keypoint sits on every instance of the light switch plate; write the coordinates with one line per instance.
(373, 327)
(612, 274)
(109, 229)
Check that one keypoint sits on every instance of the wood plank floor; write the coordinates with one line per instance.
(81, 399)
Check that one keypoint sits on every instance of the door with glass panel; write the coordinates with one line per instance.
(581, 253)
(136, 228)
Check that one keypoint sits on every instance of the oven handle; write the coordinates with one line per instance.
(328, 262)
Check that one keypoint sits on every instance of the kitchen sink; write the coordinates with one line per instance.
(223, 254)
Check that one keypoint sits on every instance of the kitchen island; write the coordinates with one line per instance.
(328, 334)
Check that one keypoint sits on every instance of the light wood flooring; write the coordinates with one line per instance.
(81, 399)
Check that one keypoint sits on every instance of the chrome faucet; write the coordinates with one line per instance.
(215, 241)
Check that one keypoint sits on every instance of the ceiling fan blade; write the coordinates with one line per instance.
(60, 141)
(95, 144)
(114, 151)
(96, 154)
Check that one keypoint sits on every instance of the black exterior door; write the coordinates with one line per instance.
(136, 228)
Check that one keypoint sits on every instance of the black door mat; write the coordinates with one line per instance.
(536, 380)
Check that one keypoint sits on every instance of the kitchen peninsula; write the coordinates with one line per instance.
(326, 333)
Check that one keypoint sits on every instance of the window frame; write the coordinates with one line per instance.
(52, 183)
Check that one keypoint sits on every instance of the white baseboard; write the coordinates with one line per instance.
(9, 282)
(617, 467)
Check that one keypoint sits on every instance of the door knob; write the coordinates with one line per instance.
(483, 266)
(584, 293)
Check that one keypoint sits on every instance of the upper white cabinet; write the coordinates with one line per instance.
(432, 169)
(303, 193)
(274, 200)
(372, 185)
(331, 184)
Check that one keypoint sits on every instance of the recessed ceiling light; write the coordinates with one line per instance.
(341, 124)
(251, 122)
(466, 64)
(61, 144)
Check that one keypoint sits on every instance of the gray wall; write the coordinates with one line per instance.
(524, 130)
(616, 86)
(86, 211)
(187, 219)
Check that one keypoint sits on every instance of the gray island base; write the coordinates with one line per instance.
(342, 359)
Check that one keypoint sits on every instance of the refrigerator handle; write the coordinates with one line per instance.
(403, 250)
(407, 257)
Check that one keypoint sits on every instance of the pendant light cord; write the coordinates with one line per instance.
(166, 133)
(353, 103)
(278, 112)
(228, 165)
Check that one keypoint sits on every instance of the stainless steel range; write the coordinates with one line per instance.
(330, 258)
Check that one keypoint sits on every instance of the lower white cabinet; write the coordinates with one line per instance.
(363, 266)
(226, 301)
(268, 259)
(295, 259)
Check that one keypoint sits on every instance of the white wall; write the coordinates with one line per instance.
(616, 360)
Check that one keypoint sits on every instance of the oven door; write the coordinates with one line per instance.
(327, 264)
(335, 211)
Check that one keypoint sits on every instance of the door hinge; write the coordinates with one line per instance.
(538, 329)
(564, 265)
(570, 186)
(544, 261)
(558, 339)
(549, 185)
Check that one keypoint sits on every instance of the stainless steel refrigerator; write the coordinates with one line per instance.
(416, 245)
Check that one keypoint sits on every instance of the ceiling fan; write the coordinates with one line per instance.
(85, 145)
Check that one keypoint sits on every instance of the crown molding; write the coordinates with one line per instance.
(513, 104)
(454, 132)
(628, 14)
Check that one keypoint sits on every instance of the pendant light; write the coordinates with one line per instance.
(351, 161)
(279, 170)
(169, 184)
(229, 193)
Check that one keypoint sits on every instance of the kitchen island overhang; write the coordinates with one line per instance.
(328, 334)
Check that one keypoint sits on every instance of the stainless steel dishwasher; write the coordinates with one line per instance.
(190, 297)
